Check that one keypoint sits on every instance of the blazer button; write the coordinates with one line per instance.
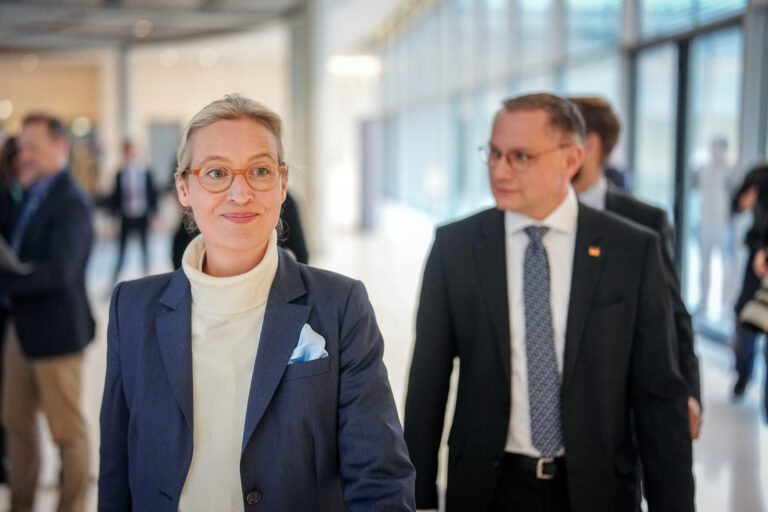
(253, 497)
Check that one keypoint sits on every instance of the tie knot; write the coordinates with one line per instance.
(535, 233)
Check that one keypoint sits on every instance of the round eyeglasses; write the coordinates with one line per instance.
(520, 161)
(218, 178)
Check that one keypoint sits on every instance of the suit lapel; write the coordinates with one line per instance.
(490, 255)
(174, 335)
(279, 334)
(587, 261)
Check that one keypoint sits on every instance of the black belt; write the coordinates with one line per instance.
(542, 467)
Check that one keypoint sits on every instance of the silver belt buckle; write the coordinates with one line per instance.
(540, 474)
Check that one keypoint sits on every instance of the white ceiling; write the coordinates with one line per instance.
(69, 24)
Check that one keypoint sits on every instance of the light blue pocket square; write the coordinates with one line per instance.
(311, 346)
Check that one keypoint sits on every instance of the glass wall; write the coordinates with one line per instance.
(654, 130)
(592, 25)
(714, 256)
(448, 68)
(456, 63)
(664, 17)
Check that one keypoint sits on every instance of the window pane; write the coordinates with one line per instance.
(592, 24)
(600, 77)
(495, 36)
(714, 252)
(654, 164)
(595, 77)
(659, 17)
(536, 31)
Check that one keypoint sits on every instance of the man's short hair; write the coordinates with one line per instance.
(600, 119)
(563, 115)
(56, 128)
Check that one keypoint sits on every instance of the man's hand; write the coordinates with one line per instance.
(759, 265)
(748, 198)
(694, 416)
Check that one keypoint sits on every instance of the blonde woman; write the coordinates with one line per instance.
(245, 380)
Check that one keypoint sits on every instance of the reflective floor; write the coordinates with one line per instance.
(731, 457)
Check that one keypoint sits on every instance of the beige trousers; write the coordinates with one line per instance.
(52, 384)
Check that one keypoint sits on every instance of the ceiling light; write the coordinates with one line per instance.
(169, 57)
(354, 65)
(29, 62)
(142, 28)
(207, 58)
(81, 126)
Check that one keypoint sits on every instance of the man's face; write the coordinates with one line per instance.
(39, 154)
(553, 159)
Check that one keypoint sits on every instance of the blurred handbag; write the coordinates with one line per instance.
(755, 312)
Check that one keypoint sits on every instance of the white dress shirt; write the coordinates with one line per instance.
(227, 317)
(559, 242)
(594, 196)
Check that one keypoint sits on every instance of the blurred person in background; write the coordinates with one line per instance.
(245, 377)
(10, 199)
(715, 183)
(134, 202)
(292, 237)
(751, 195)
(760, 267)
(11, 193)
(593, 189)
(50, 321)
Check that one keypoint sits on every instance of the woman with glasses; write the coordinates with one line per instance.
(245, 380)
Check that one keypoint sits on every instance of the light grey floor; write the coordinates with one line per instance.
(731, 458)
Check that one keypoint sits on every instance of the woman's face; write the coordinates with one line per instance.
(236, 222)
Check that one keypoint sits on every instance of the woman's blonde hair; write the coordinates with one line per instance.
(233, 107)
(230, 107)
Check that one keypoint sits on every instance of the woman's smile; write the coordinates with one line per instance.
(240, 217)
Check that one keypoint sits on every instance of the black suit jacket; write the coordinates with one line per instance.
(620, 372)
(656, 219)
(49, 306)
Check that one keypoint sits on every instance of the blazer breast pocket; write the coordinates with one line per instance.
(307, 369)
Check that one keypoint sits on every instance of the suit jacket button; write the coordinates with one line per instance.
(496, 464)
(253, 497)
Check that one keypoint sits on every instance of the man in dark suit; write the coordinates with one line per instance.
(50, 320)
(134, 200)
(560, 318)
(594, 190)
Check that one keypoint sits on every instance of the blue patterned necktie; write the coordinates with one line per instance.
(543, 375)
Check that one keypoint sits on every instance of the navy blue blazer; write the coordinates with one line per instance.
(321, 435)
(49, 306)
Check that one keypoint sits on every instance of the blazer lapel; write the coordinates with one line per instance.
(587, 261)
(174, 335)
(279, 334)
(490, 254)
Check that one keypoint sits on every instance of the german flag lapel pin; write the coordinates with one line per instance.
(594, 251)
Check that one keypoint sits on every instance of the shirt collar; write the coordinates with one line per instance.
(594, 196)
(562, 219)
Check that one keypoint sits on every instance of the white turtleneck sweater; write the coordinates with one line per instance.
(227, 316)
